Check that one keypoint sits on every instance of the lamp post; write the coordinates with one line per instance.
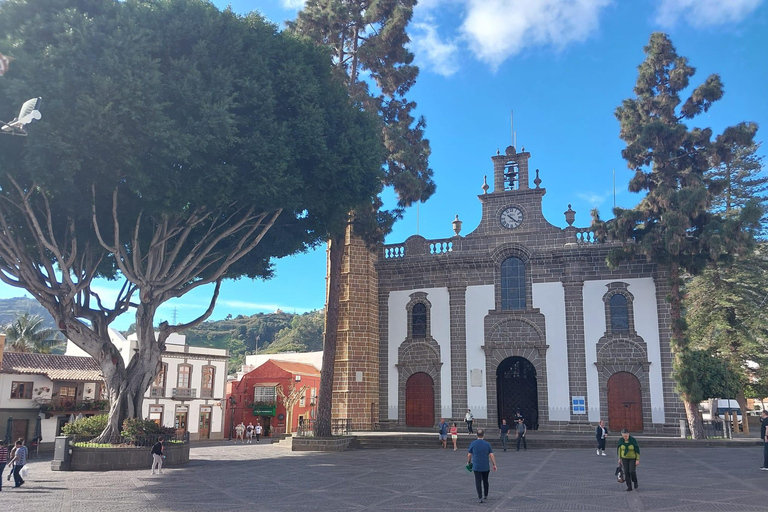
(232, 404)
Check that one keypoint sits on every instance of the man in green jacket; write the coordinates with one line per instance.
(629, 457)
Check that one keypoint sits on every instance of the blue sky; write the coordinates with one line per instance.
(563, 66)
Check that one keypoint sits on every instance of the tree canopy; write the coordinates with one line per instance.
(674, 225)
(180, 146)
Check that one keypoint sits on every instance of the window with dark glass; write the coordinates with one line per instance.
(419, 320)
(21, 389)
(512, 284)
(619, 313)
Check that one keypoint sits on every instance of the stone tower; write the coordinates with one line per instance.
(356, 373)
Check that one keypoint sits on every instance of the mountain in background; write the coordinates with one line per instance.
(265, 333)
(11, 308)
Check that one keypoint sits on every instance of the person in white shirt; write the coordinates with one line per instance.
(258, 431)
(240, 431)
(468, 418)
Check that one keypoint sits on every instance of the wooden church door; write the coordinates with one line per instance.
(419, 401)
(625, 406)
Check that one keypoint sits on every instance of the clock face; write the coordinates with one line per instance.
(511, 217)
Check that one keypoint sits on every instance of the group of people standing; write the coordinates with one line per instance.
(249, 432)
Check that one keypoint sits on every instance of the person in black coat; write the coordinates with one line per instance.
(600, 434)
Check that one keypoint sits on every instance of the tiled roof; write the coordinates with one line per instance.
(55, 367)
(297, 368)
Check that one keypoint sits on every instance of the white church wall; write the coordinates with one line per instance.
(440, 326)
(479, 300)
(647, 326)
(550, 299)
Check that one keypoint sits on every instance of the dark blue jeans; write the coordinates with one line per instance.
(482, 477)
(519, 438)
(16, 476)
(765, 454)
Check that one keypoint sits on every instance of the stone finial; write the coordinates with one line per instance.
(498, 152)
(510, 151)
(457, 225)
(570, 215)
(537, 181)
(485, 186)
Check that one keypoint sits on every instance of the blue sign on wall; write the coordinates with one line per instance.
(579, 405)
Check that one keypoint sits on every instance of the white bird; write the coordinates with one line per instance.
(28, 113)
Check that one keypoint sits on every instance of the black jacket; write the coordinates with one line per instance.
(599, 432)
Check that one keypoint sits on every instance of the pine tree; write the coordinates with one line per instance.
(367, 42)
(672, 225)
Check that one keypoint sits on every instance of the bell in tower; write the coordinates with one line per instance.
(510, 170)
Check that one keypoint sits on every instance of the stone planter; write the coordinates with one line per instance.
(72, 458)
(321, 444)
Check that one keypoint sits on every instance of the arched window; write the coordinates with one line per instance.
(619, 313)
(419, 320)
(512, 284)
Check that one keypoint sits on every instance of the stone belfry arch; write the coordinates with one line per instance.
(356, 370)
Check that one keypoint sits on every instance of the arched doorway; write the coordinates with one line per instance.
(420, 401)
(516, 388)
(625, 403)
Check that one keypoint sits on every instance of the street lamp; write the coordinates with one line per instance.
(232, 404)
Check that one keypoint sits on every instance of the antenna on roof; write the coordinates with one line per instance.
(175, 313)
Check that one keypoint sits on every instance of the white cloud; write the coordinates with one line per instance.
(703, 13)
(292, 4)
(593, 198)
(498, 29)
(440, 56)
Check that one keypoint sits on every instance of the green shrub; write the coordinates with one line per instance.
(134, 428)
(86, 427)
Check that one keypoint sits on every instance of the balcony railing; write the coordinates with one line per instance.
(66, 404)
(206, 393)
(184, 393)
(156, 392)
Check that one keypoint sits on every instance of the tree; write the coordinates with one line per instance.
(27, 334)
(367, 41)
(289, 399)
(182, 146)
(701, 375)
(305, 334)
(672, 225)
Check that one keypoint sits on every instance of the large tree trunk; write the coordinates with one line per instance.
(679, 345)
(126, 386)
(325, 400)
(742, 400)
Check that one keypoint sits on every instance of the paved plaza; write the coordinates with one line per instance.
(266, 477)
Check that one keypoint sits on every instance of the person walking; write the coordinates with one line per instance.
(600, 434)
(158, 456)
(469, 419)
(480, 455)
(3, 460)
(521, 430)
(240, 431)
(764, 437)
(13, 452)
(443, 426)
(454, 435)
(18, 461)
(249, 432)
(257, 430)
(504, 434)
(629, 457)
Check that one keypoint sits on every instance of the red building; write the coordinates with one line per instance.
(256, 396)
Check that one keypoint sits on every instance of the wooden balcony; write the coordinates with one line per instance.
(66, 405)
(184, 393)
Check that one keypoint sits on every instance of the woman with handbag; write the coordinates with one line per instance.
(629, 457)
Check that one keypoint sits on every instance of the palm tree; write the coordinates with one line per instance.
(27, 334)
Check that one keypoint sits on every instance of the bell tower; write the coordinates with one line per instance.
(356, 371)
(510, 170)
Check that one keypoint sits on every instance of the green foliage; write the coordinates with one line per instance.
(86, 427)
(134, 428)
(26, 333)
(305, 334)
(700, 375)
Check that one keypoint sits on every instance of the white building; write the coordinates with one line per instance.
(189, 392)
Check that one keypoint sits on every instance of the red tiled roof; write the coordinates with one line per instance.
(55, 367)
(296, 368)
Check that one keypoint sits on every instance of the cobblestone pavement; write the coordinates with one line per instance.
(271, 478)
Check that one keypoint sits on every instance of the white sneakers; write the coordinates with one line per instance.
(597, 452)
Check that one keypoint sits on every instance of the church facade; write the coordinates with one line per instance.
(519, 314)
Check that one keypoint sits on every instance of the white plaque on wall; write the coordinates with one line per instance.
(476, 378)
